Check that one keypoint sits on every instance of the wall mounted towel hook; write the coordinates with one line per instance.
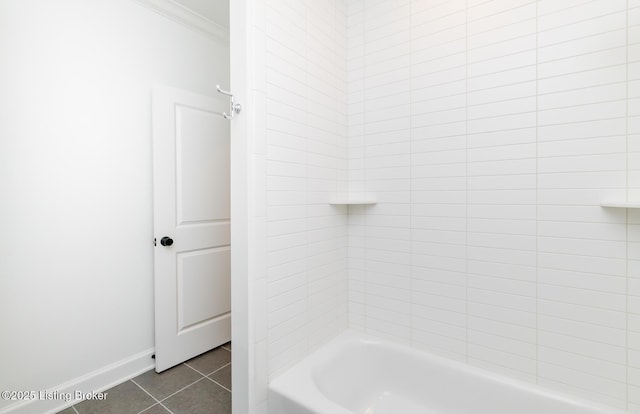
(235, 107)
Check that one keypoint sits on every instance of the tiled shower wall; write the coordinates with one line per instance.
(490, 132)
(301, 113)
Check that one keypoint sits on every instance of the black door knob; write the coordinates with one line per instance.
(166, 241)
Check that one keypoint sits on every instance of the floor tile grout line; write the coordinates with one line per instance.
(165, 407)
(217, 370)
(146, 392)
(158, 402)
(206, 375)
(181, 389)
(217, 383)
(173, 394)
(187, 365)
(224, 366)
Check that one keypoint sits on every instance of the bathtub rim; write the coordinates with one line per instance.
(297, 383)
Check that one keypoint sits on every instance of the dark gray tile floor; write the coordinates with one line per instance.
(201, 385)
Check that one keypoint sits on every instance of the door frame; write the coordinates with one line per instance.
(241, 61)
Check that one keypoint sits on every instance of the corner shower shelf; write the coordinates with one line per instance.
(621, 204)
(350, 201)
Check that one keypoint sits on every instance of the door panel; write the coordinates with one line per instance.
(202, 157)
(203, 286)
(191, 206)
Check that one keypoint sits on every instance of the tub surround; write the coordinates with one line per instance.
(489, 133)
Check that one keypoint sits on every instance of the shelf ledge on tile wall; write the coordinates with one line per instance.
(621, 204)
(359, 199)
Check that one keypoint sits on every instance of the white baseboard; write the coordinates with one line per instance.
(99, 380)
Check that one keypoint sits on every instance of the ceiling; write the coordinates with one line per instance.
(214, 10)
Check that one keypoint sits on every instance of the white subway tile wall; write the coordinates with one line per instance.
(489, 131)
(305, 81)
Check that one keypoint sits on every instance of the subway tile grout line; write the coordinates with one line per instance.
(365, 256)
(306, 137)
(411, 204)
(627, 214)
(466, 174)
(496, 14)
(582, 389)
(537, 186)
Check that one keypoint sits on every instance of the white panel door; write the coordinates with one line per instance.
(191, 225)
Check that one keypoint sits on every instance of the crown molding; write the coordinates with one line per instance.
(186, 17)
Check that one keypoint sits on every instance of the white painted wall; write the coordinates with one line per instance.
(75, 178)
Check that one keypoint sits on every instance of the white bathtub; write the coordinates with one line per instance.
(358, 374)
